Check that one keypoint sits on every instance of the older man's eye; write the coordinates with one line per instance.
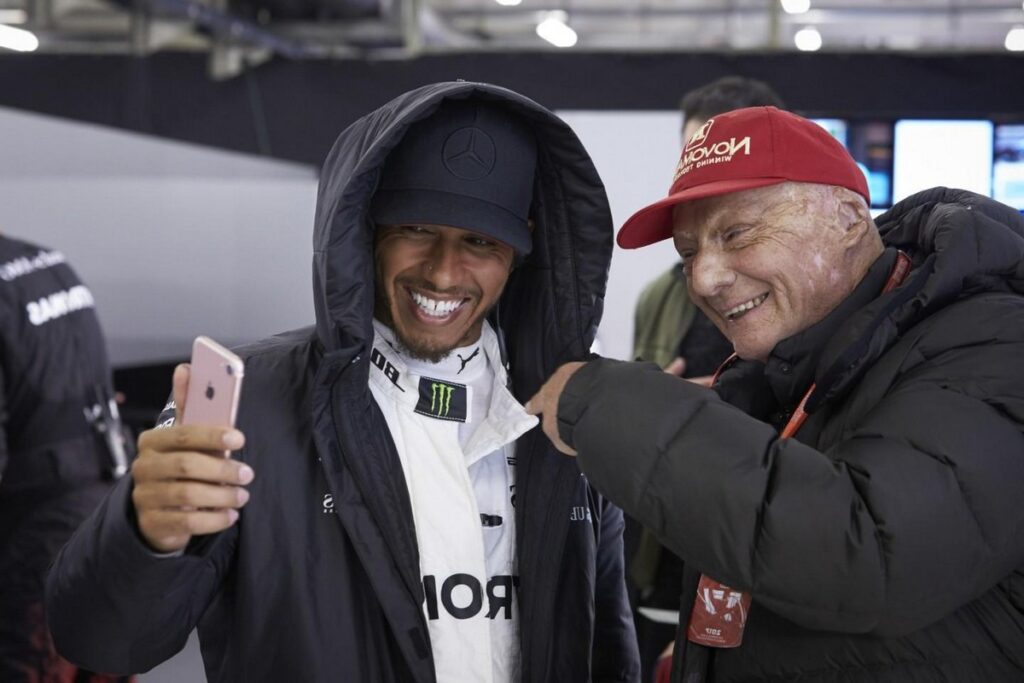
(732, 233)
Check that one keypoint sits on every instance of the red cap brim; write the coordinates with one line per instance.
(653, 223)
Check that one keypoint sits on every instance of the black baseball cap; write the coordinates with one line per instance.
(470, 165)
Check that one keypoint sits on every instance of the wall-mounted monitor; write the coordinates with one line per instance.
(1008, 166)
(870, 145)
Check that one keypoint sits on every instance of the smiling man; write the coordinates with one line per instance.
(433, 311)
(846, 497)
(392, 514)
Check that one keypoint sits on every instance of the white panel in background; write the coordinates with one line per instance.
(930, 153)
(173, 239)
(635, 153)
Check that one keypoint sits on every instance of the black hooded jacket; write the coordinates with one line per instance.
(319, 580)
(885, 541)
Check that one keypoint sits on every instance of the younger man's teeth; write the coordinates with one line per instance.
(433, 306)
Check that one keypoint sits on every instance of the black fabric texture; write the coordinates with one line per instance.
(470, 165)
(704, 347)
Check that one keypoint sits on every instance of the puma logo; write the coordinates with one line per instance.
(466, 360)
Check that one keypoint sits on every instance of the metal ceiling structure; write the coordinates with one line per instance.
(240, 32)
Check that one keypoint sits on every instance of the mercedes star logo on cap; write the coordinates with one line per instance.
(469, 154)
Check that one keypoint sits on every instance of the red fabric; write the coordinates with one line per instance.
(741, 150)
(31, 658)
(663, 670)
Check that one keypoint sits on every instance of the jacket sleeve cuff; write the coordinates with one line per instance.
(572, 404)
(120, 539)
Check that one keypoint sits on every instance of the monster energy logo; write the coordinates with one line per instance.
(442, 400)
(441, 397)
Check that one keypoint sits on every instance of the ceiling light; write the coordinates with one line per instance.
(17, 39)
(796, 6)
(508, 3)
(807, 39)
(554, 30)
(1015, 39)
(13, 16)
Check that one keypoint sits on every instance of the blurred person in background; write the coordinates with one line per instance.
(61, 445)
(671, 331)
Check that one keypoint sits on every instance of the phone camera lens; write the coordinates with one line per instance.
(230, 370)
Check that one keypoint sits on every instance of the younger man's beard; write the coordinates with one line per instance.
(415, 349)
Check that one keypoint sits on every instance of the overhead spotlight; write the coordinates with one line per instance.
(553, 29)
(509, 3)
(17, 39)
(1015, 39)
(796, 6)
(807, 39)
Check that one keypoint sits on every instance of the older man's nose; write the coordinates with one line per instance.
(710, 273)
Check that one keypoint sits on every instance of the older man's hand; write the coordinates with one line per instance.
(545, 403)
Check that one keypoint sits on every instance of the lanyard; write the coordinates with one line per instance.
(899, 273)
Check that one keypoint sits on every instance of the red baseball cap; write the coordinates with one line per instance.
(741, 150)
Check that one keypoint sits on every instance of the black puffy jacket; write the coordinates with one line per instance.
(885, 542)
(303, 590)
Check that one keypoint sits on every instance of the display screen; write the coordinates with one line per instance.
(909, 155)
(1008, 166)
(870, 145)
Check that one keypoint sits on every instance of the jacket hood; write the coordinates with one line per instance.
(553, 301)
(960, 244)
(974, 243)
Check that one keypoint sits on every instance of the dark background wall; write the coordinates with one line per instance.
(294, 109)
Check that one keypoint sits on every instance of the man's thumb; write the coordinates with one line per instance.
(179, 384)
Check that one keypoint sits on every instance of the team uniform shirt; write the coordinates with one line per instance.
(454, 424)
(54, 374)
(60, 443)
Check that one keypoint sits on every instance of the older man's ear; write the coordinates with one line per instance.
(854, 219)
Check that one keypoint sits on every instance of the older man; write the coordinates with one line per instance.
(857, 469)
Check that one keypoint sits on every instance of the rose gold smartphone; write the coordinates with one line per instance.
(214, 385)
